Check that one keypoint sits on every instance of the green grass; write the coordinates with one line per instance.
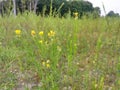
(83, 54)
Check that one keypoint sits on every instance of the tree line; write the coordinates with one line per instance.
(51, 7)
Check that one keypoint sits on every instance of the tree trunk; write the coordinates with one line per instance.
(30, 7)
(14, 7)
(35, 5)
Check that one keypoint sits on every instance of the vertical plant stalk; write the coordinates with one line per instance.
(104, 8)
(108, 25)
(44, 10)
(58, 11)
(51, 7)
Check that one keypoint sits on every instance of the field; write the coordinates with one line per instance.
(50, 53)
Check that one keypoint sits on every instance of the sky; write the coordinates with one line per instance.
(109, 5)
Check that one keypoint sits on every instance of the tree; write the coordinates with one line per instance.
(82, 7)
(112, 14)
(5, 7)
(50, 6)
(1, 7)
(96, 12)
(30, 5)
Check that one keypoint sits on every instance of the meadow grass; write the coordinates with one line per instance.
(48, 53)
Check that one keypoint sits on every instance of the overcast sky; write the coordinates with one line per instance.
(109, 5)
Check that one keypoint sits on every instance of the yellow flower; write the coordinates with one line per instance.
(18, 32)
(33, 32)
(51, 33)
(48, 65)
(41, 33)
(48, 61)
(76, 14)
(43, 63)
(41, 41)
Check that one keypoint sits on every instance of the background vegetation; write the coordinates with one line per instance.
(48, 50)
(57, 7)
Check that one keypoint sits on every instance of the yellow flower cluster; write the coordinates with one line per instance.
(33, 33)
(51, 33)
(47, 63)
(41, 33)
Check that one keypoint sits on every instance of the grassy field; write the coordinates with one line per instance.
(46, 53)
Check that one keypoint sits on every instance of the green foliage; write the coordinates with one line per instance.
(53, 7)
